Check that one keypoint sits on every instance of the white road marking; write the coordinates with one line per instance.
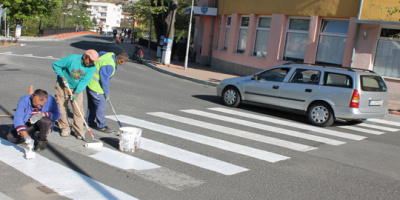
(29, 55)
(378, 127)
(122, 160)
(356, 128)
(291, 124)
(190, 157)
(382, 121)
(244, 134)
(213, 142)
(60, 179)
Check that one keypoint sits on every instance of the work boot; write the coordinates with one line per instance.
(105, 129)
(65, 133)
(93, 125)
(40, 146)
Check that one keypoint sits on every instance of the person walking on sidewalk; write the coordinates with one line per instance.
(76, 71)
(98, 89)
(35, 112)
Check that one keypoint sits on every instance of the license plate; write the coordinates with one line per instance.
(375, 102)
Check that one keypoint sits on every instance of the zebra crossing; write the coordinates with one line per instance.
(218, 120)
(198, 118)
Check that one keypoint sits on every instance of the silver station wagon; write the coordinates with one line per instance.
(321, 93)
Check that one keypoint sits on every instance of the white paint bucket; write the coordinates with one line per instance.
(129, 140)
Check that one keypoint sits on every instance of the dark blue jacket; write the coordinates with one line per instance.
(24, 110)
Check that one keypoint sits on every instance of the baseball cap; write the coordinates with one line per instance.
(93, 55)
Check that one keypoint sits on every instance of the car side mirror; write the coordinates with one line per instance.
(255, 77)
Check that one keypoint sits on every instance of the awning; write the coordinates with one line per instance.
(197, 10)
(361, 21)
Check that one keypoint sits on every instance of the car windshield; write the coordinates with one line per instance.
(373, 83)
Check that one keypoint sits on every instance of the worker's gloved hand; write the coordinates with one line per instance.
(73, 97)
(35, 118)
(29, 141)
(107, 96)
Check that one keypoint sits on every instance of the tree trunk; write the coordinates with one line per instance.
(164, 23)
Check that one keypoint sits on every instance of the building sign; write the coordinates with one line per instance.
(197, 10)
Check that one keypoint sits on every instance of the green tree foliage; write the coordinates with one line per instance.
(20, 10)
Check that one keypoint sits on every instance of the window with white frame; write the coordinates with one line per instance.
(296, 39)
(387, 56)
(218, 31)
(227, 30)
(262, 34)
(243, 30)
(332, 42)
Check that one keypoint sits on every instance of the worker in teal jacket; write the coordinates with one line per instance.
(36, 112)
(76, 71)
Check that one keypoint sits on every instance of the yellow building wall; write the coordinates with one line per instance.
(377, 10)
(326, 8)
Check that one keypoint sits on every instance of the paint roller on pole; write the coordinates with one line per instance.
(96, 144)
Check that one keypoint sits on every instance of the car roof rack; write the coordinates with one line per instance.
(352, 69)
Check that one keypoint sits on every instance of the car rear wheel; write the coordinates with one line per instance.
(320, 114)
(231, 97)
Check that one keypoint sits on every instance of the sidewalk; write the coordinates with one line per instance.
(209, 76)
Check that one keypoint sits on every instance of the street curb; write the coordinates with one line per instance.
(9, 46)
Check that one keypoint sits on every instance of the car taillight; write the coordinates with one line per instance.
(355, 99)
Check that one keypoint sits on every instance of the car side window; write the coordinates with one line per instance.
(305, 76)
(276, 75)
(338, 80)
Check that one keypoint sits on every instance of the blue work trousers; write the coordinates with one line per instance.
(97, 105)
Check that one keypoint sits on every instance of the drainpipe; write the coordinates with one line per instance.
(211, 36)
(356, 34)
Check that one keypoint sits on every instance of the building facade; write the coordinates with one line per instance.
(249, 36)
(107, 15)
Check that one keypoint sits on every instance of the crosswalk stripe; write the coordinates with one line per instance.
(291, 124)
(243, 134)
(378, 127)
(355, 128)
(382, 121)
(60, 179)
(210, 141)
(190, 157)
(264, 127)
(122, 160)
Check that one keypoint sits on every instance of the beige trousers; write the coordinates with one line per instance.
(62, 98)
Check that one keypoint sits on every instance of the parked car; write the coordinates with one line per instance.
(322, 93)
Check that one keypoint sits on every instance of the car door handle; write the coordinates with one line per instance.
(308, 90)
(275, 87)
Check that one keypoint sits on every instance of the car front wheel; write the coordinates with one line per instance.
(320, 114)
(231, 97)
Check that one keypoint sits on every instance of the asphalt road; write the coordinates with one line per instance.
(191, 147)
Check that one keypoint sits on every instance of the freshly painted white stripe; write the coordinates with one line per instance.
(210, 141)
(28, 55)
(382, 121)
(60, 179)
(356, 128)
(244, 134)
(378, 127)
(263, 127)
(291, 124)
(190, 157)
(122, 160)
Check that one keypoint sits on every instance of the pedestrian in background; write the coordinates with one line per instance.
(174, 48)
(98, 89)
(74, 71)
(35, 112)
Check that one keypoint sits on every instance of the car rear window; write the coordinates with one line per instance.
(373, 83)
(338, 80)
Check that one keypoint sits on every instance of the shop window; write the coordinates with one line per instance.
(332, 42)
(227, 30)
(243, 30)
(262, 34)
(296, 39)
(387, 56)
